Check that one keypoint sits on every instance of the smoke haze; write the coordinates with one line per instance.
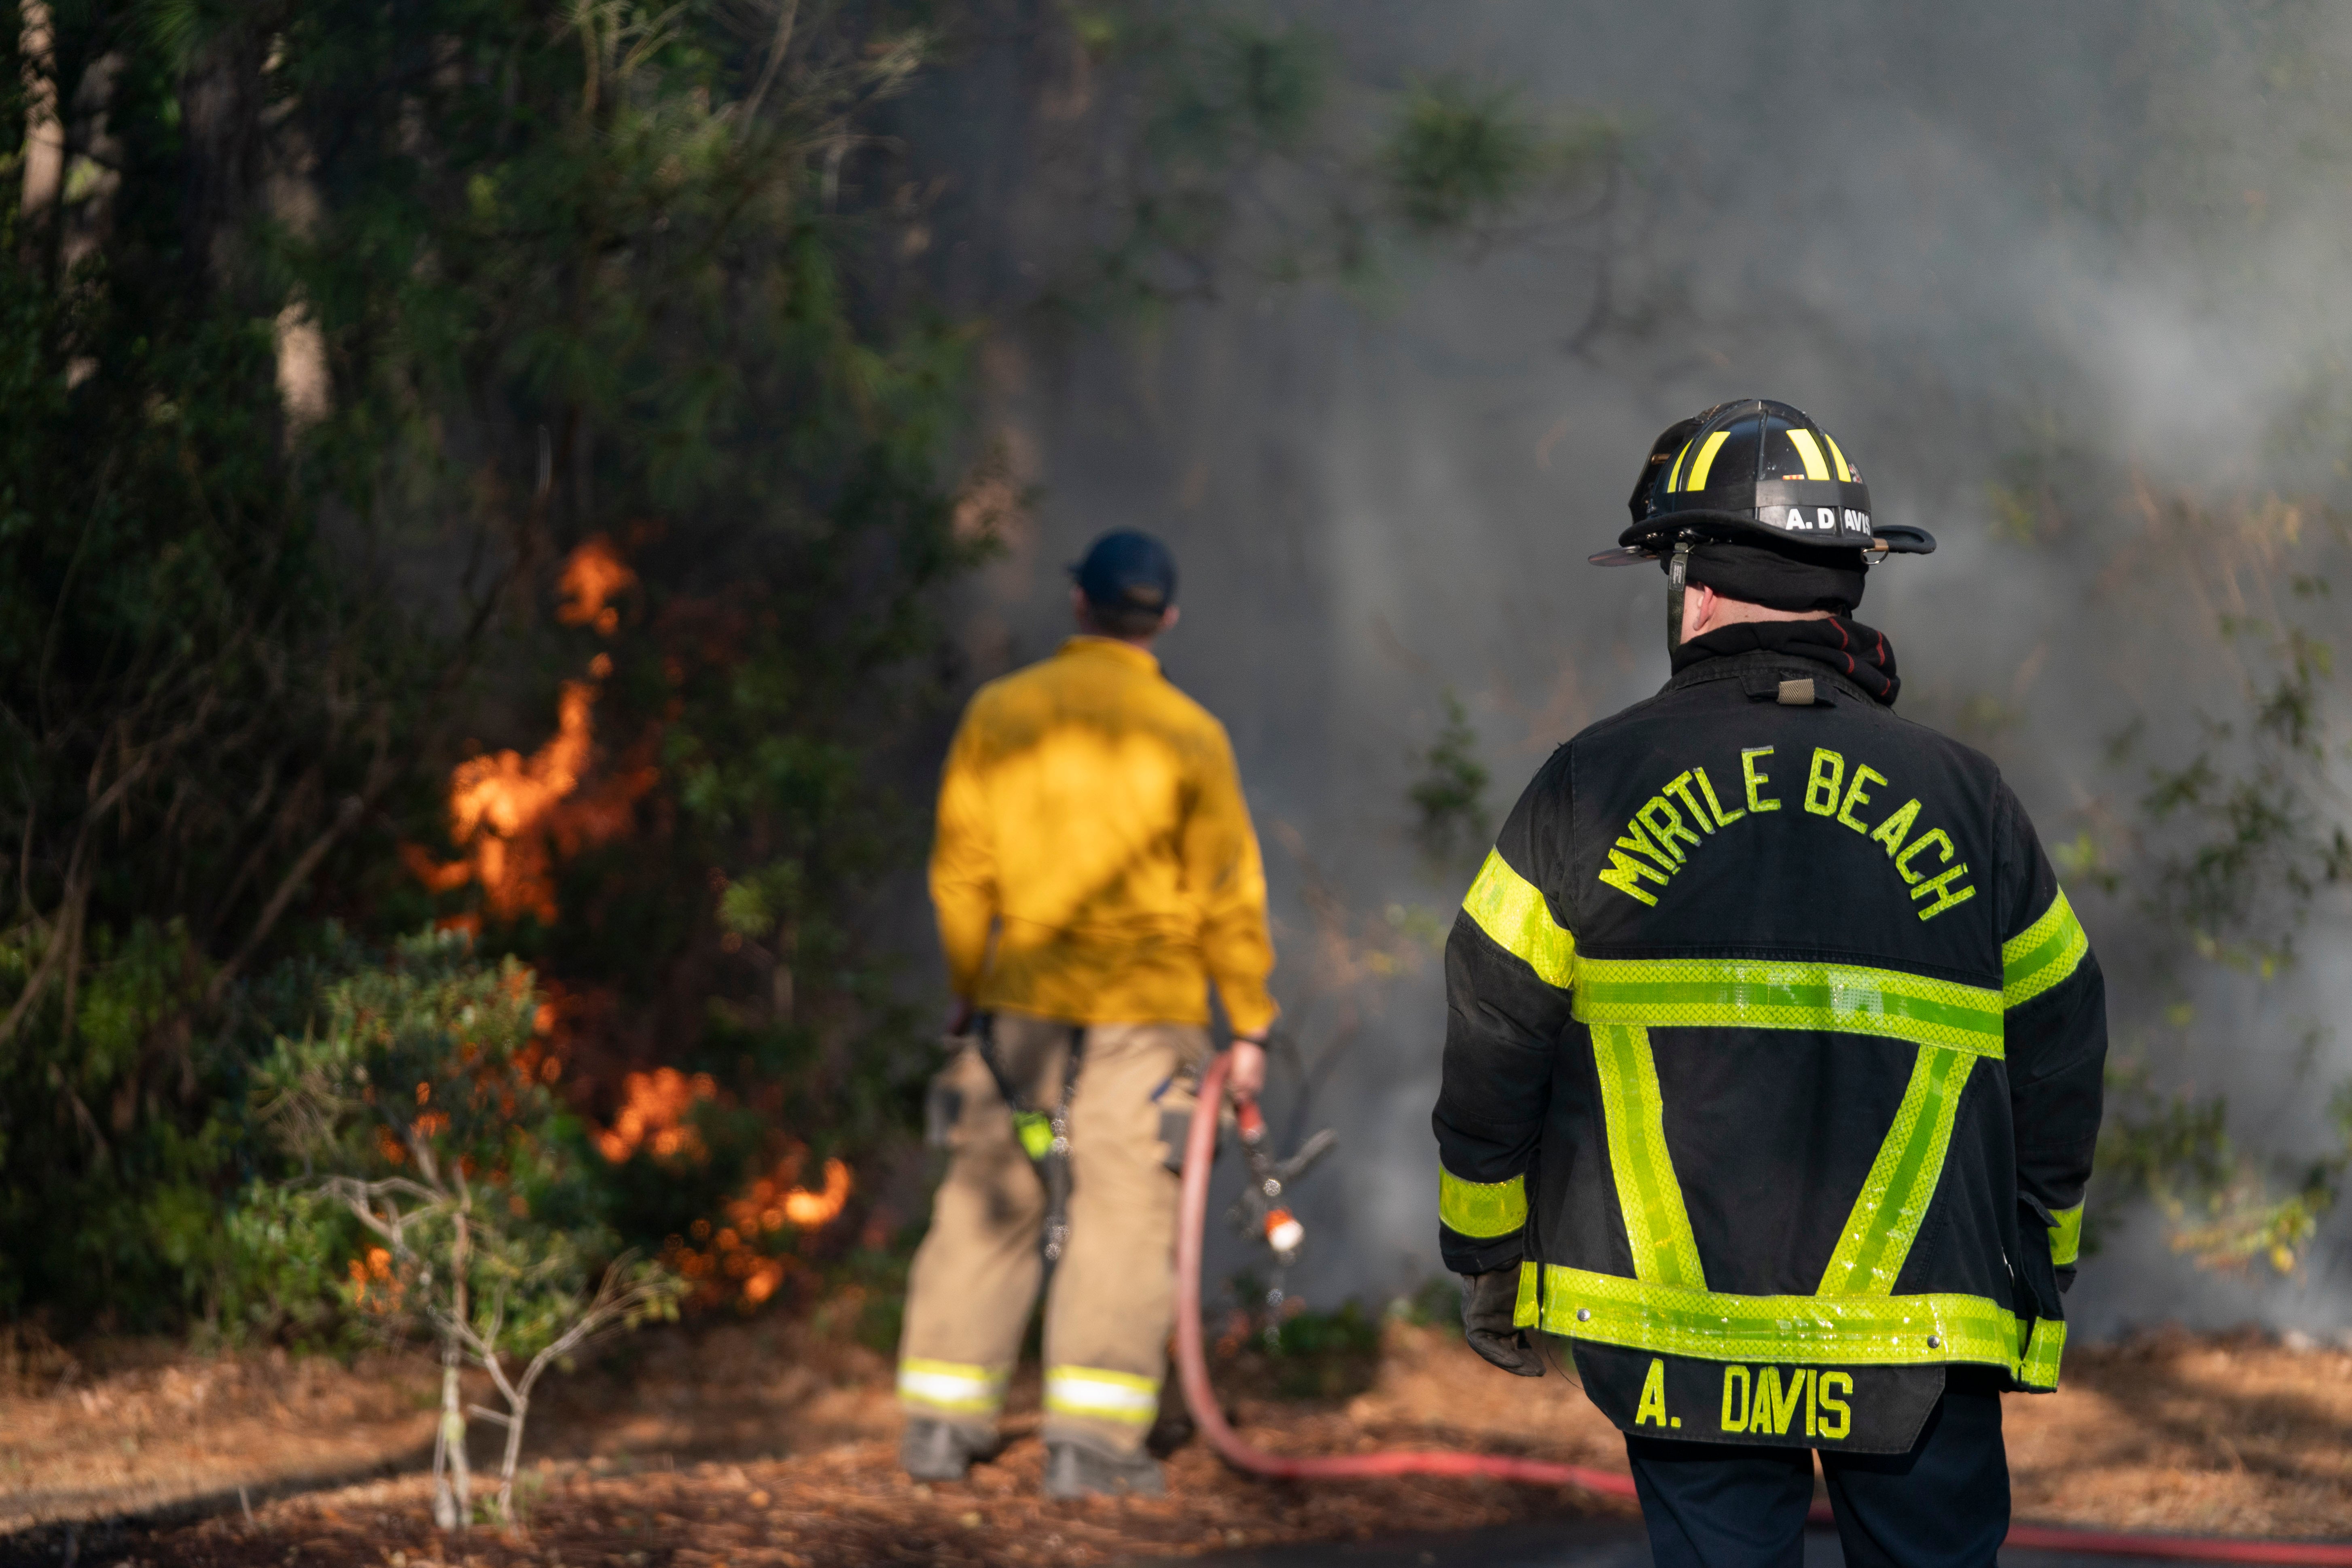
(2092, 254)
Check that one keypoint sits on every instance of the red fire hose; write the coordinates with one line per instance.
(1199, 1151)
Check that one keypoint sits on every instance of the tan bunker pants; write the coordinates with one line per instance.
(975, 1276)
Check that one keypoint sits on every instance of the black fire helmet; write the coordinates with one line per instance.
(1754, 471)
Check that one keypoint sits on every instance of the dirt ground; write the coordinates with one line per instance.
(767, 1443)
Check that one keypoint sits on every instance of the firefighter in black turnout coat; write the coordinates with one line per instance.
(1773, 1049)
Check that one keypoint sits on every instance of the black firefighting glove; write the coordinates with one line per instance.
(1488, 1302)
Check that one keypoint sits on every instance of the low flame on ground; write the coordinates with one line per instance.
(653, 1116)
(772, 1204)
(724, 1259)
(511, 818)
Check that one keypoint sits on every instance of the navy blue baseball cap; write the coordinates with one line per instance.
(1125, 570)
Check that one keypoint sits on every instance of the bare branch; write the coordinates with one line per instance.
(76, 896)
(786, 16)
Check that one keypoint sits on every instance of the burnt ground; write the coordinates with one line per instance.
(770, 1442)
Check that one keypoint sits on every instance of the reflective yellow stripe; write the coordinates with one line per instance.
(1894, 1202)
(1715, 992)
(1870, 1331)
(1523, 1310)
(1481, 1210)
(2066, 1237)
(1856, 1318)
(1707, 452)
(2043, 954)
(2038, 1368)
(1090, 1390)
(1844, 473)
(959, 1388)
(1657, 1226)
(1507, 907)
(1674, 473)
(1811, 451)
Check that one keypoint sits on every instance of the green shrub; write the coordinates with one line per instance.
(419, 1103)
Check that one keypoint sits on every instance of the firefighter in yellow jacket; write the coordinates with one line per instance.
(1095, 870)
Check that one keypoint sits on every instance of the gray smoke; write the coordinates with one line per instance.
(2101, 246)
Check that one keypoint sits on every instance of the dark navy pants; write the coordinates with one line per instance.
(1944, 1504)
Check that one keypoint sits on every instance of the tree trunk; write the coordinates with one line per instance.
(45, 136)
(518, 1410)
(453, 1478)
(221, 102)
(450, 1501)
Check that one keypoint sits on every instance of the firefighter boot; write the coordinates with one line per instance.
(1080, 1470)
(938, 1451)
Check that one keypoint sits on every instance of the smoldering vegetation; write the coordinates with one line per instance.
(2070, 287)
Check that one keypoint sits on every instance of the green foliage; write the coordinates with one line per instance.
(1437, 1304)
(563, 272)
(2224, 1206)
(287, 1278)
(652, 294)
(81, 1135)
(2228, 838)
(1459, 158)
(431, 1050)
(2239, 840)
(2082, 859)
(2169, 1144)
(1301, 1354)
(1221, 146)
(195, 714)
(1452, 825)
(419, 1104)
(1348, 1331)
(351, 325)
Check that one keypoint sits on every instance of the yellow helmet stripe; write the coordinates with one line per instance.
(1674, 473)
(1811, 451)
(1707, 452)
(1844, 473)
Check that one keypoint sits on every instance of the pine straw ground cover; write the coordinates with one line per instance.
(764, 1442)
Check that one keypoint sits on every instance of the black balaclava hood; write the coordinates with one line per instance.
(1779, 577)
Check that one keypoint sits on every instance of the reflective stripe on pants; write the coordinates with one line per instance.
(1091, 1391)
(955, 1390)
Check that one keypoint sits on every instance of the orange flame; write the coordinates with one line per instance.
(761, 1281)
(374, 1286)
(773, 1201)
(511, 814)
(731, 1262)
(592, 575)
(654, 1114)
(810, 1210)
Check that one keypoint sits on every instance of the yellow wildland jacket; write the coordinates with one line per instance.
(1094, 858)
